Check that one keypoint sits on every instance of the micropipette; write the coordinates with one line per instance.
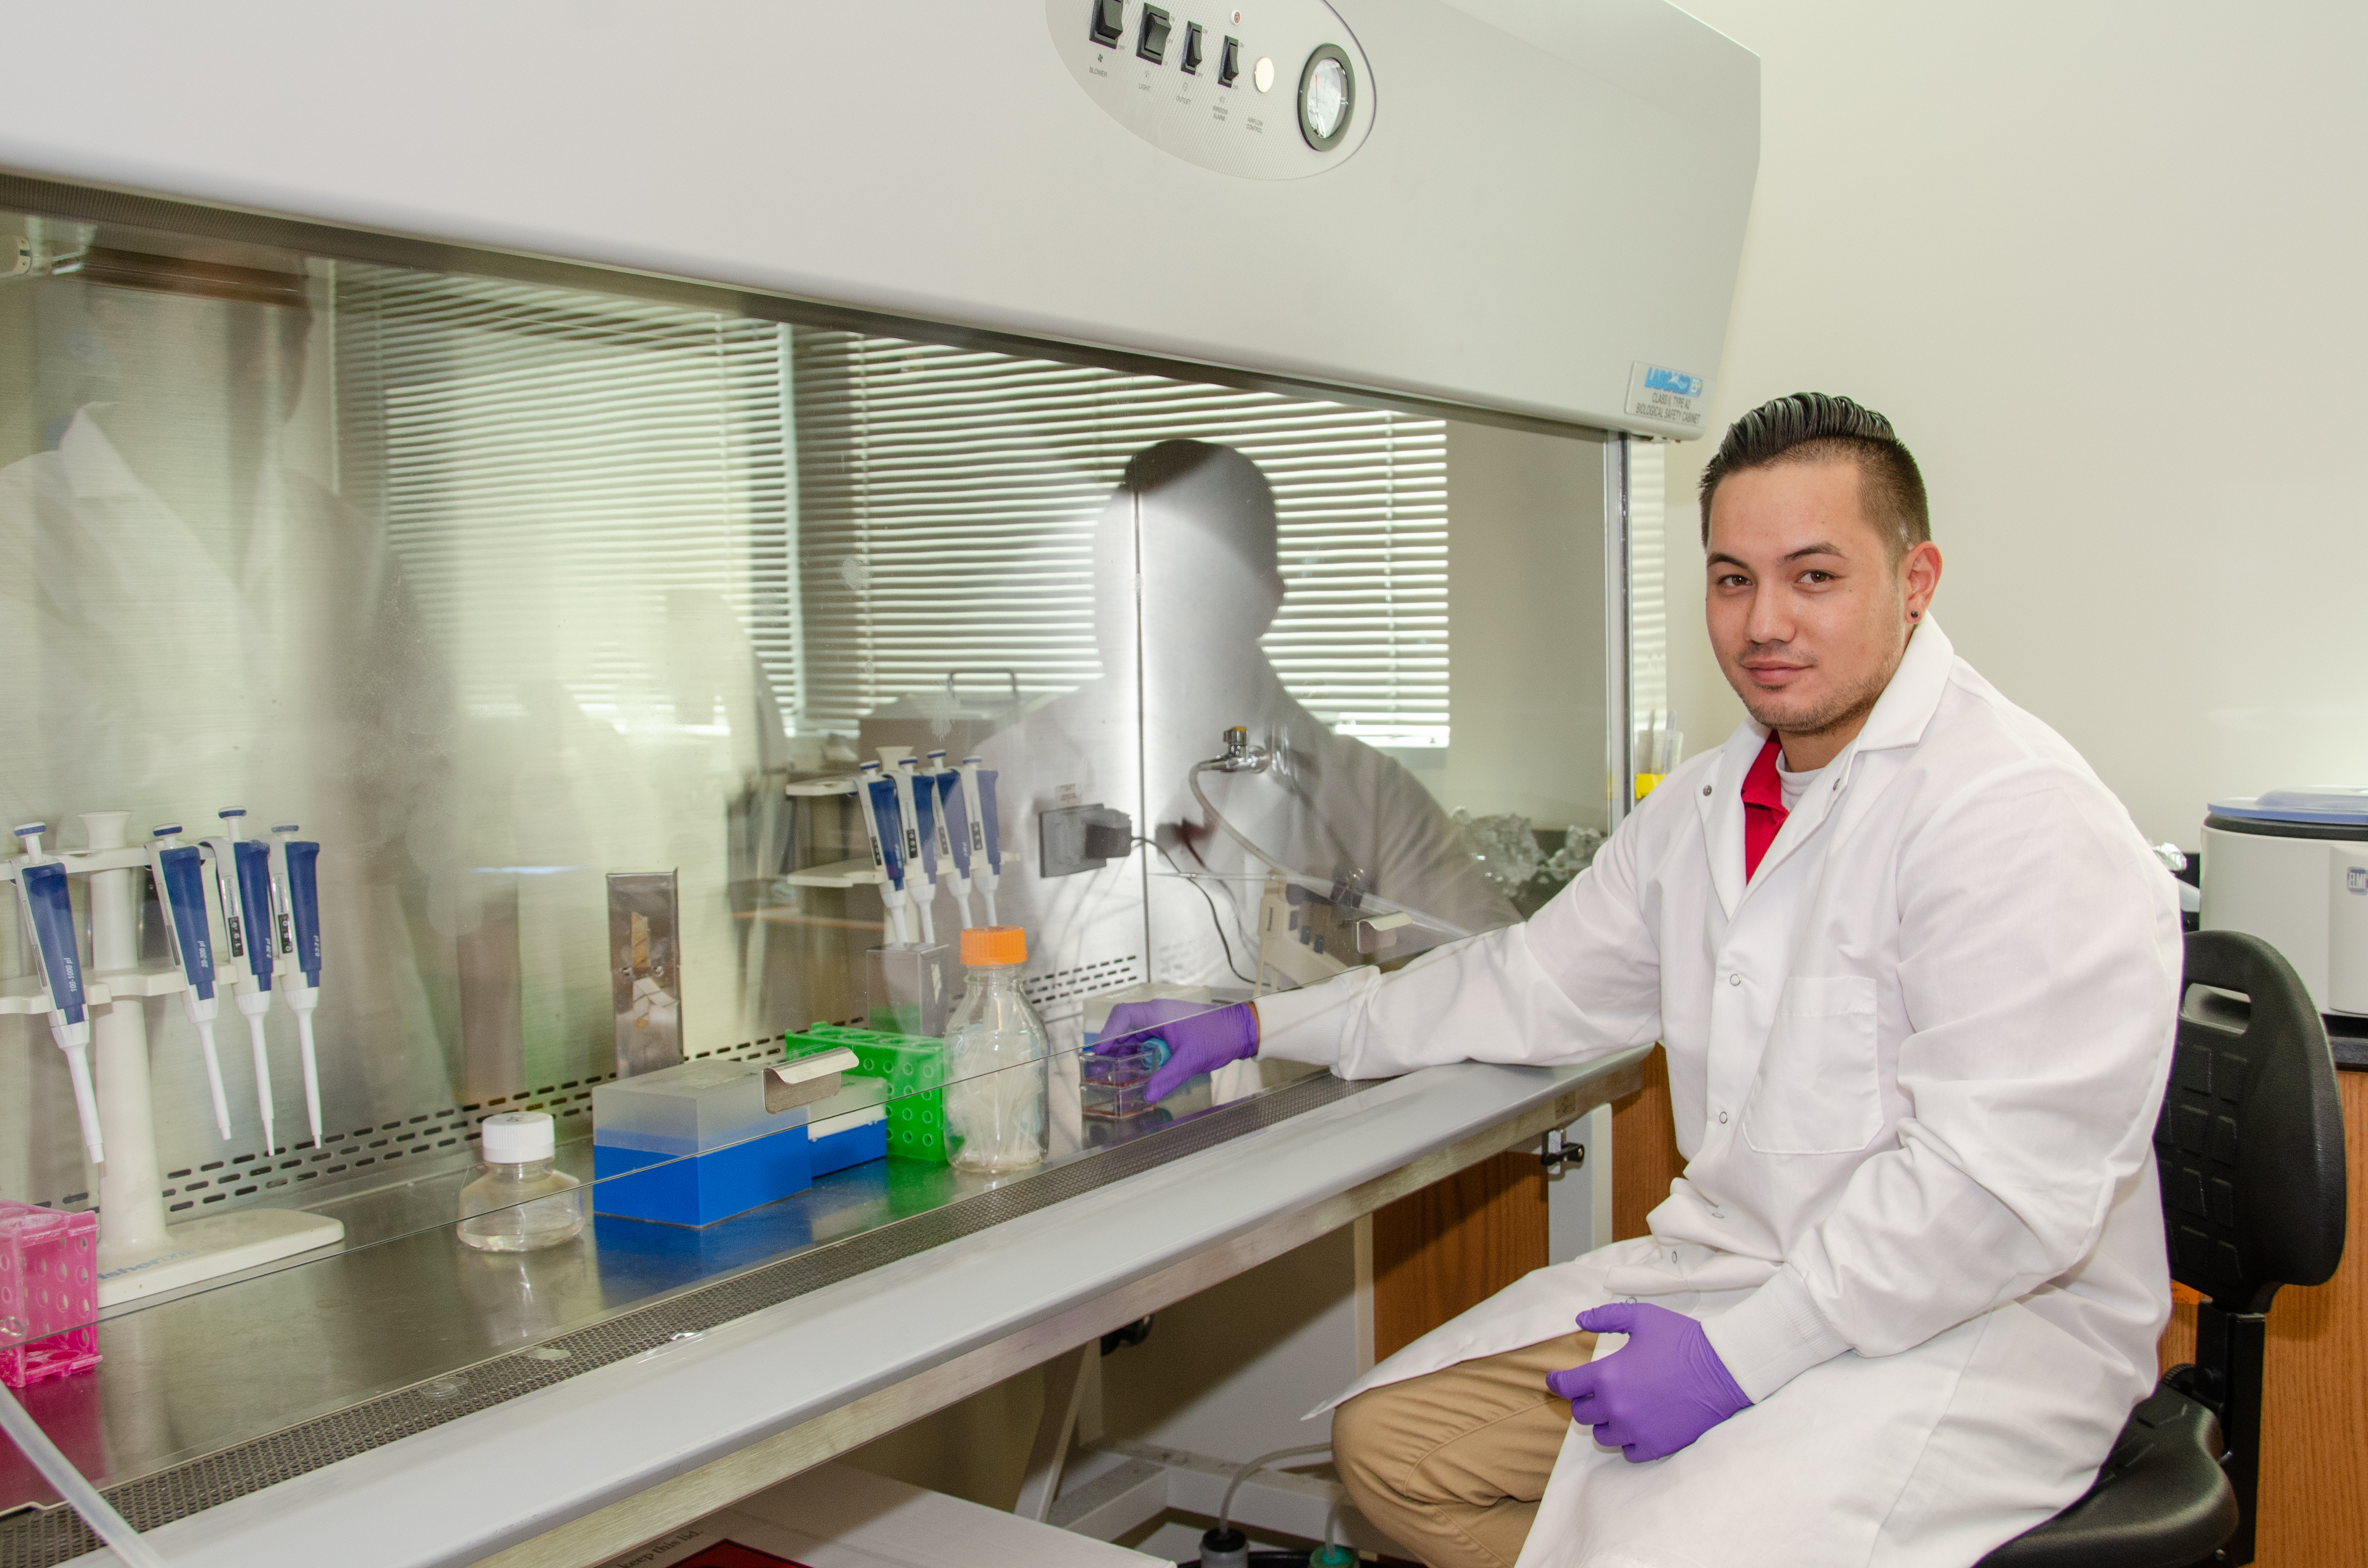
(917, 803)
(953, 833)
(876, 797)
(295, 884)
(49, 915)
(242, 874)
(986, 833)
(180, 871)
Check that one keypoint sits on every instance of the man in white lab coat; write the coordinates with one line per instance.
(1916, 976)
(1187, 583)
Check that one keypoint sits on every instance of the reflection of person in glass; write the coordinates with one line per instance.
(192, 621)
(1193, 524)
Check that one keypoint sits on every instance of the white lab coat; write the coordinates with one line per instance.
(269, 658)
(1914, 1065)
(1327, 801)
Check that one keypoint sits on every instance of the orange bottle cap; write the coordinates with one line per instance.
(994, 945)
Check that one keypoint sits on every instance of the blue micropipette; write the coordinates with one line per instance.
(243, 876)
(180, 871)
(917, 803)
(49, 915)
(295, 884)
(953, 833)
(986, 833)
(876, 797)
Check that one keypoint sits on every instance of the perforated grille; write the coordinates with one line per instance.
(1060, 985)
(40, 1539)
(348, 1159)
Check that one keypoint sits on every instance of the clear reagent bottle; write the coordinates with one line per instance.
(996, 1050)
(518, 1203)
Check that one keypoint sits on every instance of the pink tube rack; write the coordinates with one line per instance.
(49, 1293)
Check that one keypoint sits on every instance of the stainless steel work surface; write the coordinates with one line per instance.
(512, 1444)
(403, 1306)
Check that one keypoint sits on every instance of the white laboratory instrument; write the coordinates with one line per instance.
(1538, 279)
(2291, 867)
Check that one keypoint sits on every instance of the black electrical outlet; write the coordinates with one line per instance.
(1082, 838)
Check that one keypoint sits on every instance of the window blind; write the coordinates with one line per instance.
(602, 455)
(1648, 549)
(1659, 741)
(947, 502)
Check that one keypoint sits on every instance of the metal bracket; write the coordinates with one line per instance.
(1558, 1155)
(809, 1080)
(1065, 1387)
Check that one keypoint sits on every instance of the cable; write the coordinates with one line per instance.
(1216, 919)
(59, 1471)
(1226, 1509)
(1446, 927)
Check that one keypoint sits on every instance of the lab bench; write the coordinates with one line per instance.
(408, 1403)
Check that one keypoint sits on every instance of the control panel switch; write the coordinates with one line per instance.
(1229, 61)
(1151, 43)
(1194, 52)
(1108, 24)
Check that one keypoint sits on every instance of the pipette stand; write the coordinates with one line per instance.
(138, 1254)
(911, 989)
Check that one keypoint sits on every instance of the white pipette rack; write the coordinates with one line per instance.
(138, 1254)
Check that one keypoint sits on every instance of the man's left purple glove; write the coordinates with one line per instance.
(1654, 1395)
(1200, 1038)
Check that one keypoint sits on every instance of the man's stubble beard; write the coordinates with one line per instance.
(1841, 708)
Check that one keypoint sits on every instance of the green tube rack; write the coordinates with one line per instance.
(915, 1069)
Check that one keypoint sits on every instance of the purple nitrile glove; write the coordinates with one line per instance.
(1654, 1395)
(1200, 1038)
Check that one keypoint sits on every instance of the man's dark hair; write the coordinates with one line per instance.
(1238, 504)
(1819, 427)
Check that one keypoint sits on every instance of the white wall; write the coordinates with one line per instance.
(2102, 266)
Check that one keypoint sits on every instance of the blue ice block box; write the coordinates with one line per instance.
(702, 1141)
(705, 1148)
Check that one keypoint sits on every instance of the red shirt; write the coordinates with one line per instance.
(1763, 806)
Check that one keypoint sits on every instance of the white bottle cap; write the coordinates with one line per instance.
(517, 1136)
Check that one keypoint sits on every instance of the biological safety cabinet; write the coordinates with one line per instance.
(516, 449)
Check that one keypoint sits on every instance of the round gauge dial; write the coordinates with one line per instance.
(1327, 97)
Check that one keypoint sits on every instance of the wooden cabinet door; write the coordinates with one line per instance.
(1455, 1244)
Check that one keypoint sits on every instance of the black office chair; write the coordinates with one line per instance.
(2250, 1150)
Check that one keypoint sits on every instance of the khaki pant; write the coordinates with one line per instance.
(1452, 1464)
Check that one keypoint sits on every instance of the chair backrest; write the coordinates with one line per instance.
(2251, 1142)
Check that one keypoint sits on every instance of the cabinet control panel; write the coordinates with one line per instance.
(1278, 89)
